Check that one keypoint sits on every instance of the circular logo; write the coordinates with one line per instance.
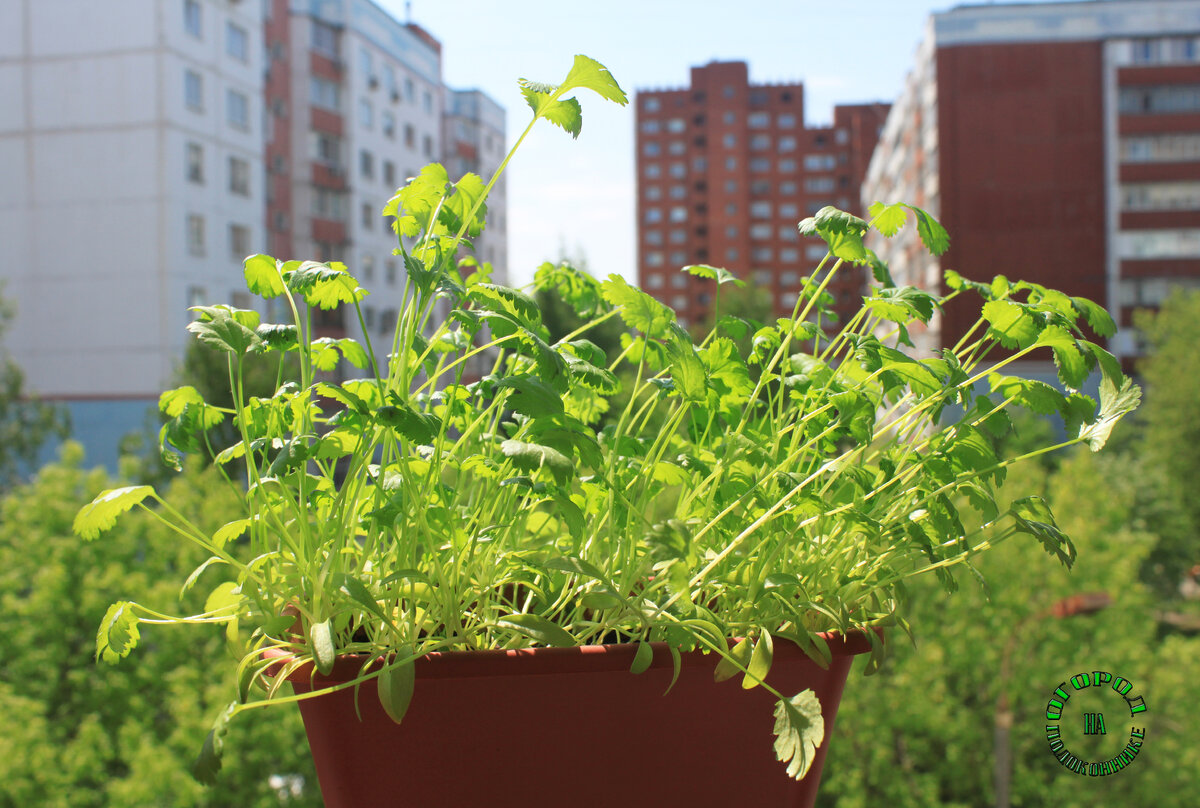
(1087, 720)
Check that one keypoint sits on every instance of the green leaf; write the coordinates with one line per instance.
(888, 219)
(728, 667)
(219, 327)
(565, 113)
(263, 276)
(321, 639)
(1070, 361)
(418, 427)
(278, 337)
(208, 762)
(102, 512)
(643, 658)
(1114, 405)
(396, 683)
(531, 396)
(325, 286)
(118, 633)
(933, 235)
(1096, 315)
(760, 662)
(1011, 323)
(230, 530)
(713, 273)
(589, 74)
(354, 353)
(799, 730)
(1032, 515)
(539, 629)
(490, 297)
(638, 309)
(531, 456)
(843, 232)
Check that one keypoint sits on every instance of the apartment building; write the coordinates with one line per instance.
(1059, 143)
(150, 145)
(474, 141)
(725, 171)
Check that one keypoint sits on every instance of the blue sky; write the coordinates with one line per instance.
(578, 196)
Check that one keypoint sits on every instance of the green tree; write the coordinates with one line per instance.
(25, 423)
(82, 734)
(922, 732)
(1169, 435)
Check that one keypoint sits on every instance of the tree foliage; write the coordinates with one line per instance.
(25, 423)
(81, 734)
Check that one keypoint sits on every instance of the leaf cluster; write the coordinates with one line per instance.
(762, 481)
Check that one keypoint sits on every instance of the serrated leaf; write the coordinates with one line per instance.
(587, 73)
(531, 396)
(396, 684)
(799, 730)
(230, 530)
(278, 336)
(354, 353)
(842, 231)
(1011, 323)
(118, 633)
(713, 273)
(639, 311)
(1096, 315)
(532, 456)
(887, 219)
(262, 276)
(490, 297)
(220, 328)
(1114, 405)
(101, 513)
(1033, 516)
(539, 629)
(933, 235)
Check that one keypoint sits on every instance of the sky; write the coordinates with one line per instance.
(578, 197)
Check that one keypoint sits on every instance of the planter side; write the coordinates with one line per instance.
(567, 726)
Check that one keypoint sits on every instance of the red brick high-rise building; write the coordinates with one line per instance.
(725, 171)
(1058, 143)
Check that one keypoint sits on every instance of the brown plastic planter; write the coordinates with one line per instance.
(567, 727)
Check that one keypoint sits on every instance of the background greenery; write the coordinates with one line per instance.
(919, 733)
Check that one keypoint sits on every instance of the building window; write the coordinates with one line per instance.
(1161, 196)
(195, 163)
(789, 255)
(366, 164)
(237, 42)
(728, 140)
(653, 215)
(651, 104)
(653, 171)
(760, 187)
(654, 259)
(195, 234)
(676, 147)
(678, 214)
(788, 210)
(760, 164)
(329, 204)
(787, 143)
(389, 272)
(327, 149)
(427, 101)
(193, 90)
(654, 237)
(368, 216)
(815, 252)
(651, 127)
(818, 185)
(326, 94)
(760, 210)
(760, 231)
(678, 170)
(654, 281)
(651, 149)
(389, 82)
(761, 254)
(1159, 244)
(678, 236)
(819, 162)
(239, 241)
(366, 114)
(388, 122)
(1160, 148)
(239, 176)
(367, 64)
(676, 125)
(1159, 100)
(787, 188)
(409, 91)
(788, 233)
(389, 173)
(653, 192)
(191, 18)
(678, 191)
(730, 163)
(237, 109)
(786, 120)
(699, 164)
(325, 39)
(427, 145)
(758, 120)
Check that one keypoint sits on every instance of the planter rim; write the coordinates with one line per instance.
(549, 660)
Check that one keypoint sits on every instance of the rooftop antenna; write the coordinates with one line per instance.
(408, 12)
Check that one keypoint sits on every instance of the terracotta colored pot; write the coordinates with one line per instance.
(567, 727)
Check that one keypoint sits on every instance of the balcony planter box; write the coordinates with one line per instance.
(566, 726)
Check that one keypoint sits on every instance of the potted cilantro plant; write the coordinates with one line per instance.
(530, 556)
